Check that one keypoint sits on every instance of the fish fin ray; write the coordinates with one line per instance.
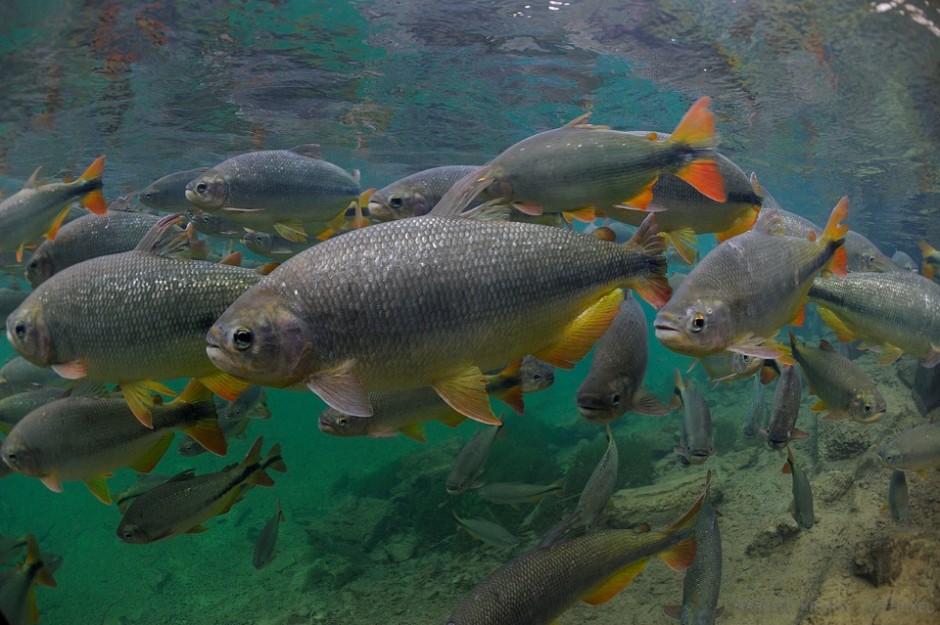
(685, 242)
(889, 353)
(99, 488)
(705, 177)
(740, 225)
(648, 404)
(292, 230)
(843, 332)
(610, 587)
(208, 434)
(52, 481)
(342, 389)
(580, 335)
(57, 223)
(414, 431)
(465, 392)
(224, 385)
(149, 459)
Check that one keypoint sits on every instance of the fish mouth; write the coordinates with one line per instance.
(192, 196)
(593, 409)
(379, 212)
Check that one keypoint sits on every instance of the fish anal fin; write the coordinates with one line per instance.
(843, 332)
(610, 587)
(586, 214)
(149, 459)
(465, 392)
(208, 434)
(580, 335)
(52, 481)
(341, 388)
(226, 386)
(414, 431)
(99, 488)
(740, 225)
(57, 223)
(292, 230)
(643, 197)
(685, 242)
(800, 318)
(680, 557)
(704, 175)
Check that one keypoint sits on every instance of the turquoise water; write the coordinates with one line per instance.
(821, 99)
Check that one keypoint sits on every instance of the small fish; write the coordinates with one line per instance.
(182, 504)
(18, 586)
(266, 547)
(802, 506)
(842, 387)
(894, 313)
(468, 465)
(168, 194)
(133, 318)
(285, 191)
(514, 493)
(747, 288)
(15, 407)
(757, 410)
(535, 587)
(87, 237)
(863, 255)
(904, 261)
(696, 445)
(18, 370)
(488, 532)
(614, 384)
(39, 209)
(702, 583)
(899, 501)
(252, 403)
(11, 547)
(931, 259)
(145, 482)
(10, 298)
(730, 366)
(580, 168)
(416, 194)
(785, 410)
(88, 438)
(271, 245)
(539, 290)
(215, 225)
(917, 449)
(518, 378)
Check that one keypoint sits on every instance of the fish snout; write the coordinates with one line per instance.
(594, 407)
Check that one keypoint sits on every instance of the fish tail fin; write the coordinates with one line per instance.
(834, 235)
(652, 287)
(460, 196)
(927, 267)
(207, 433)
(94, 199)
(274, 461)
(679, 557)
(34, 557)
(697, 130)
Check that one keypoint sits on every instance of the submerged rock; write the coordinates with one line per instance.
(769, 540)
(926, 388)
(879, 559)
(841, 440)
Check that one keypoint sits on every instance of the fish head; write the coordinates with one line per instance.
(40, 267)
(868, 406)
(336, 423)
(208, 191)
(891, 456)
(744, 365)
(133, 533)
(394, 204)
(261, 340)
(17, 455)
(602, 401)
(28, 333)
(697, 328)
(535, 375)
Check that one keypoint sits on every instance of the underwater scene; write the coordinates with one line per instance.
(476, 312)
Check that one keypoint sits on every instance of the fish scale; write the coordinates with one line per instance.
(413, 302)
(129, 316)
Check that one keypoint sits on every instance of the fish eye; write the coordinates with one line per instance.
(536, 376)
(614, 399)
(868, 408)
(342, 421)
(395, 201)
(201, 187)
(242, 338)
(698, 322)
(149, 196)
(20, 330)
(747, 359)
(11, 458)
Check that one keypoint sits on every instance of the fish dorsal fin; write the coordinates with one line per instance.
(33, 181)
(579, 121)
(310, 150)
(183, 476)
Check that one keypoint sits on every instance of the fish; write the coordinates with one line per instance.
(11, 546)
(168, 194)
(266, 547)
(18, 586)
(785, 410)
(487, 532)
(251, 403)
(416, 194)
(39, 209)
(696, 445)
(757, 410)
(132, 318)
(284, 191)
(580, 168)
(894, 313)
(5, 470)
(182, 504)
(777, 221)
(702, 583)
(145, 482)
(486, 293)
(931, 259)
(468, 465)
(614, 384)
(536, 586)
(904, 261)
(88, 438)
(15, 407)
(899, 500)
(744, 290)
(215, 225)
(802, 505)
(916, 449)
(687, 212)
(842, 387)
(230, 428)
(18, 370)
(514, 493)
(10, 298)
(87, 237)
(728, 366)
(518, 378)
(863, 255)
(271, 245)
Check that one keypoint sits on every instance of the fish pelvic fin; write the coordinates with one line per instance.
(653, 286)
(208, 434)
(465, 392)
(99, 488)
(581, 334)
(611, 586)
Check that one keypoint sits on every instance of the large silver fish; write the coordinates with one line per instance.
(416, 194)
(434, 302)
(916, 449)
(131, 318)
(614, 384)
(168, 194)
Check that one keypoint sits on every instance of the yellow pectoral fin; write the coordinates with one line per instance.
(466, 393)
(139, 400)
(685, 242)
(291, 230)
(226, 386)
(150, 458)
(581, 334)
(99, 488)
(54, 227)
(838, 326)
(889, 353)
(615, 583)
(414, 431)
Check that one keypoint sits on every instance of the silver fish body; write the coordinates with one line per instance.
(18, 370)
(696, 444)
(702, 583)
(168, 194)
(416, 194)
(15, 407)
(272, 245)
(863, 255)
(802, 505)
(266, 547)
(468, 465)
(513, 493)
(917, 449)
(491, 533)
(757, 409)
(215, 225)
(785, 409)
